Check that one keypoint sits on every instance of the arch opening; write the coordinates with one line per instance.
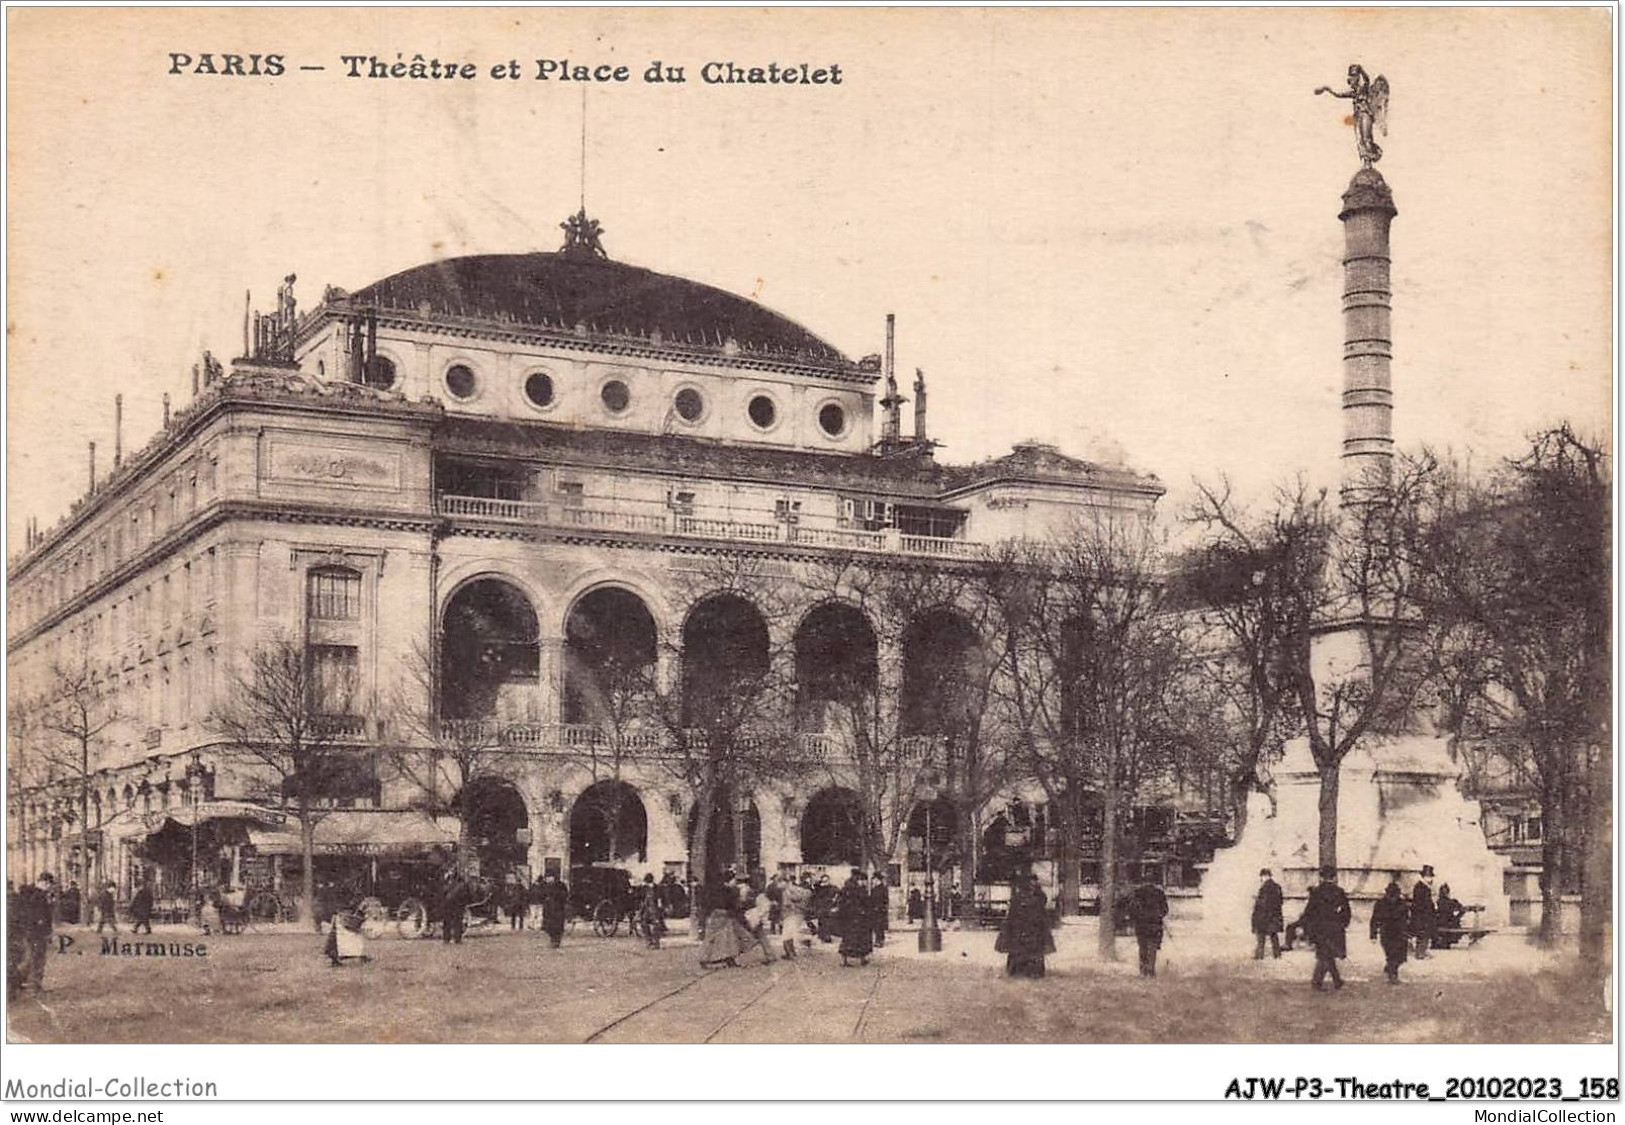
(725, 661)
(836, 669)
(490, 653)
(608, 824)
(832, 828)
(942, 683)
(609, 658)
(734, 837)
(496, 816)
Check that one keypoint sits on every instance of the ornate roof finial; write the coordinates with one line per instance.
(582, 237)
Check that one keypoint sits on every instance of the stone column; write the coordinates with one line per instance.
(1368, 397)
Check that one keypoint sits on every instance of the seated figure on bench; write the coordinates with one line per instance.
(1448, 913)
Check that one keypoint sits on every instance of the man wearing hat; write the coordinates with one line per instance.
(1325, 922)
(32, 917)
(1267, 919)
(1423, 917)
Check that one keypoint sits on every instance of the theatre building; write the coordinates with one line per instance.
(492, 490)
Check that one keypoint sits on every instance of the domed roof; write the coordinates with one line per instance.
(570, 291)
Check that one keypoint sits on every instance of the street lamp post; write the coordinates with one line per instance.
(194, 779)
(930, 934)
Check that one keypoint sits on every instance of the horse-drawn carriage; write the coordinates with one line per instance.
(606, 897)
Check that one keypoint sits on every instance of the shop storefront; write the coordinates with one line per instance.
(358, 853)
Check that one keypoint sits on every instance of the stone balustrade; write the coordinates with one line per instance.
(705, 527)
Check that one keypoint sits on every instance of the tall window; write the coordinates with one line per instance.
(335, 679)
(334, 595)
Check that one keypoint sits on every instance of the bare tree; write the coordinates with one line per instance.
(1518, 566)
(931, 721)
(1321, 572)
(442, 758)
(267, 720)
(1235, 581)
(725, 717)
(70, 721)
(1097, 671)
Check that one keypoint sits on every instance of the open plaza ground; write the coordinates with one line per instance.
(500, 986)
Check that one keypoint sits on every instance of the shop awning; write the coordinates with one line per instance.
(183, 814)
(397, 832)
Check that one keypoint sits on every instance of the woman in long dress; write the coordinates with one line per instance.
(721, 944)
(856, 921)
(1025, 937)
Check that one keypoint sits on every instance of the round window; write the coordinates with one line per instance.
(832, 419)
(378, 372)
(689, 404)
(762, 411)
(460, 381)
(539, 389)
(615, 395)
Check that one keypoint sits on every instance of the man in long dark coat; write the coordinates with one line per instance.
(454, 899)
(1390, 924)
(141, 909)
(1267, 920)
(855, 921)
(880, 907)
(823, 908)
(1025, 937)
(1325, 923)
(1423, 918)
(1146, 909)
(31, 916)
(555, 899)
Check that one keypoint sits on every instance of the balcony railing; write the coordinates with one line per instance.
(705, 527)
(338, 726)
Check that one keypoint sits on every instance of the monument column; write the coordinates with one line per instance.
(1368, 396)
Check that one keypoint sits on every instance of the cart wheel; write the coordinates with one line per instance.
(265, 907)
(605, 919)
(411, 918)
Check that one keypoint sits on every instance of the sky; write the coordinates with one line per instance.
(1112, 230)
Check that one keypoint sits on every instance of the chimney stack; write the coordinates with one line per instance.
(166, 410)
(118, 430)
(93, 466)
(891, 429)
(919, 407)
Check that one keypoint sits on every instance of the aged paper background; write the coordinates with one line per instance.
(1111, 229)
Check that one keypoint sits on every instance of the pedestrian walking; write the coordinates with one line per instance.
(879, 908)
(824, 897)
(32, 917)
(555, 898)
(454, 908)
(855, 921)
(1267, 919)
(754, 917)
(1147, 908)
(651, 912)
(106, 909)
(797, 899)
(141, 909)
(1325, 920)
(1390, 924)
(69, 904)
(515, 902)
(1424, 920)
(916, 905)
(775, 909)
(720, 944)
(1025, 937)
